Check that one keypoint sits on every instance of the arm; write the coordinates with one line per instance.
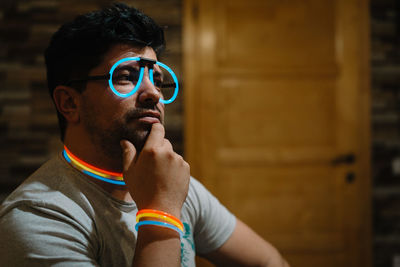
(157, 179)
(157, 247)
(246, 248)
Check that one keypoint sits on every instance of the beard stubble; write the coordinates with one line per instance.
(108, 138)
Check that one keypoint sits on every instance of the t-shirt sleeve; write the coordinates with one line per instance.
(38, 236)
(214, 224)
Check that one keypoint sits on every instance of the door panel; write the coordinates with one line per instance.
(274, 92)
(288, 26)
(275, 113)
(273, 199)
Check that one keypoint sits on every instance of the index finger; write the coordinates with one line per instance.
(156, 136)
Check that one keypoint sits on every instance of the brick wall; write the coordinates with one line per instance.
(385, 63)
(28, 124)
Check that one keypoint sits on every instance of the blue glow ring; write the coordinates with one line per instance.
(66, 156)
(137, 84)
(175, 80)
(151, 76)
(157, 223)
(111, 181)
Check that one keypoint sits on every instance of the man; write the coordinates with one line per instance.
(76, 210)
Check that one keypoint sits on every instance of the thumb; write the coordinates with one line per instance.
(128, 154)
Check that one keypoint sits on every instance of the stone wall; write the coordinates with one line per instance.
(28, 124)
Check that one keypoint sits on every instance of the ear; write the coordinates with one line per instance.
(67, 102)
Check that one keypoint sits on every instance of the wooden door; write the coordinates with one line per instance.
(277, 120)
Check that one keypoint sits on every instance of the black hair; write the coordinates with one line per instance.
(80, 45)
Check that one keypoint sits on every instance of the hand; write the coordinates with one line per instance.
(158, 178)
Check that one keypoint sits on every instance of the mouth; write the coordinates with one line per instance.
(148, 117)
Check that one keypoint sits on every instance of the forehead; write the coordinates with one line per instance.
(121, 51)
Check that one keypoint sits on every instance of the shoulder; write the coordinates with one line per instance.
(46, 206)
(196, 188)
(49, 191)
(211, 222)
(202, 206)
(198, 195)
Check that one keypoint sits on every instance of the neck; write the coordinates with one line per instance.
(81, 145)
(109, 179)
(91, 170)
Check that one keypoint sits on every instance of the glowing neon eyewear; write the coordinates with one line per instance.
(143, 62)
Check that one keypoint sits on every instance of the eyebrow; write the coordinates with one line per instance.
(128, 66)
(156, 73)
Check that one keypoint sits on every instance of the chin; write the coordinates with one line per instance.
(137, 138)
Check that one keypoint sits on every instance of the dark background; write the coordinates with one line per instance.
(385, 79)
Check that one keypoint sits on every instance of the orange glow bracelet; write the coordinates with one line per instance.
(160, 215)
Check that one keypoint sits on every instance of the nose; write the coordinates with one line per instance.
(148, 93)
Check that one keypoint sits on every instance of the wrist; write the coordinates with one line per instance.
(170, 209)
(157, 218)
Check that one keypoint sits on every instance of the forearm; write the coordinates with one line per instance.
(273, 258)
(157, 179)
(157, 246)
(246, 248)
(276, 260)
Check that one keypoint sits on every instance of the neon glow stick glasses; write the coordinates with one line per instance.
(126, 76)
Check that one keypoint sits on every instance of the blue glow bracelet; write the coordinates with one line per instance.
(157, 223)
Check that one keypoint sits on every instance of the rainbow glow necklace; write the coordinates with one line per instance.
(86, 168)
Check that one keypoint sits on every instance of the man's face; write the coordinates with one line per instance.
(109, 118)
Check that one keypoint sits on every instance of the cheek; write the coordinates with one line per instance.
(161, 107)
(100, 110)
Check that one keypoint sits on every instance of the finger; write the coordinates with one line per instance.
(156, 136)
(167, 144)
(128, 154)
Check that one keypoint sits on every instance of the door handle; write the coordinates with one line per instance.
(346, 159)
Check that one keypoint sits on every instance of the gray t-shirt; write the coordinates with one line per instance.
(58, 217)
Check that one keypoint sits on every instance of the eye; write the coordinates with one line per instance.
(158, 82)
(125, 76)
(158, 79)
